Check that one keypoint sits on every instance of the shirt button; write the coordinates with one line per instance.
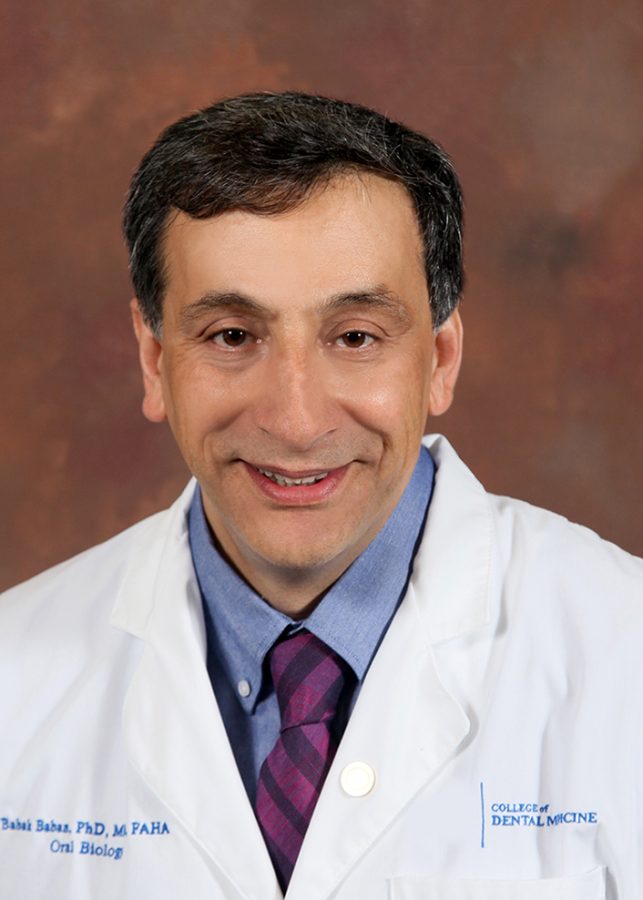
(357, 779)
(243, 687)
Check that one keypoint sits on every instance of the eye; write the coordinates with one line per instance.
(355, 340)
(231, 338)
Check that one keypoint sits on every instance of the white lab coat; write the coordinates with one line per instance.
(502, 718)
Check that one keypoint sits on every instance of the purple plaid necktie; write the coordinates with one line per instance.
(308, 678)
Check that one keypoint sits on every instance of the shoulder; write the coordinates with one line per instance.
(90, 580)
(526, 533)
(106, 560)
(571, 601)
(531, 564)
(571, 554)
(85, 615)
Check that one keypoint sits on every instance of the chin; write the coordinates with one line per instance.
(298, 560)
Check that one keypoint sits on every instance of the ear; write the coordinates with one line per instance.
(447, 356)
(150, 353)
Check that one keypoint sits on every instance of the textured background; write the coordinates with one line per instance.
(538, 102)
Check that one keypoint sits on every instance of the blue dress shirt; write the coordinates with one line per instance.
(351, 618)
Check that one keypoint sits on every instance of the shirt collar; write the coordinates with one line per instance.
(351, 618)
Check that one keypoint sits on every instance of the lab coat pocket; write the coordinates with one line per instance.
(590, 886)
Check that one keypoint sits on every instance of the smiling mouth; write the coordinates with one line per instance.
(285, 481)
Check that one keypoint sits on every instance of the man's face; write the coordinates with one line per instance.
(296, 367)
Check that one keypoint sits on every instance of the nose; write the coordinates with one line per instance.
(296, 405)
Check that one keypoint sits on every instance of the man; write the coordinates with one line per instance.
(336, 667)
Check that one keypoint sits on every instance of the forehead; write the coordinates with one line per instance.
(356, 230)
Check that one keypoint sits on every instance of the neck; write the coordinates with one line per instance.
(295, 593)
(292, 590)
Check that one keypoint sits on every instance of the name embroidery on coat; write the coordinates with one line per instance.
(83, 837)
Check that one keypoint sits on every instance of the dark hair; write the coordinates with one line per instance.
(264, 153)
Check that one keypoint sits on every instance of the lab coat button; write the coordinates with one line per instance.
(357, 779)
(244, 688)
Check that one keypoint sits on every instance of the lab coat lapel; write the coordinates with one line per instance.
(173, 728)
(406, 724)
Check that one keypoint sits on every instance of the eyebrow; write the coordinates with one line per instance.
(377, 297)
(216, 300)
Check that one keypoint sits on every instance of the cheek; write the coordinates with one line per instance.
(397, 396)
(199, 399)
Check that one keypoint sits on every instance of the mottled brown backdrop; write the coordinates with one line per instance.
(539, 103)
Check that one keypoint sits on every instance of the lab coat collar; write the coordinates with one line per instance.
(154, 537)
(174, 731)
(452, 567)
(452, 564)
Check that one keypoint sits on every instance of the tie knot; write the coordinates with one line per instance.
(308, 677)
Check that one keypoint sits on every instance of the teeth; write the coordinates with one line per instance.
(283, 481)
